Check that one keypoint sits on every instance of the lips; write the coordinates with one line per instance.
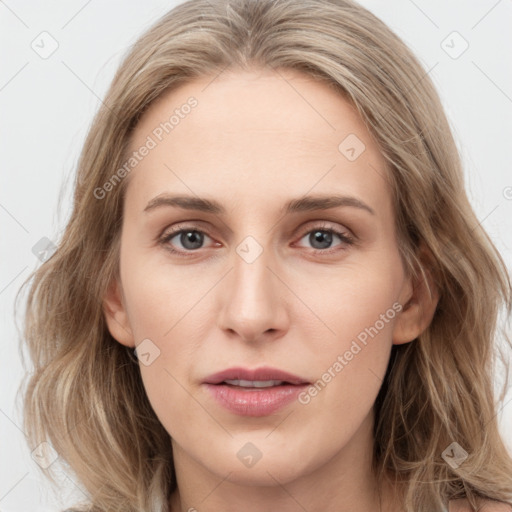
(260, 375)
(259, 392)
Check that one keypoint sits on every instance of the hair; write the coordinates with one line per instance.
(84, 394)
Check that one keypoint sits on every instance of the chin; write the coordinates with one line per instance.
(268, 467)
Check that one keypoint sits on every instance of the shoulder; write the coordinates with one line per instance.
(463, 505)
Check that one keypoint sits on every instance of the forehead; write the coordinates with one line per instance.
(257, 134)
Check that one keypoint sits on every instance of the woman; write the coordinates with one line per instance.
(270, 294)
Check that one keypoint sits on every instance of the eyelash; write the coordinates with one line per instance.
(345, 238)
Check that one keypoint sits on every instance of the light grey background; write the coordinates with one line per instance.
(47, 105)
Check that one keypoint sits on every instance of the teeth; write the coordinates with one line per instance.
(254, 383)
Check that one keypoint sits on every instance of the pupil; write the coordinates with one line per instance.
(191, 239)
(323, 237)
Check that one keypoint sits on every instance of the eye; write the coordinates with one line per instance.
(321, 238)
(189, 238)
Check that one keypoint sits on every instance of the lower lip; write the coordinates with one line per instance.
(254, 401)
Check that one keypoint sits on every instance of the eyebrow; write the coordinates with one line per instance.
(303, 204)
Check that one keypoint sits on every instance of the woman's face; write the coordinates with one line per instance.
(295, 268)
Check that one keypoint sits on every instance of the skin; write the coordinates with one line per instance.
(255, 140)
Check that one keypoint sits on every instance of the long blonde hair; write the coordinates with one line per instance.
(85, 395)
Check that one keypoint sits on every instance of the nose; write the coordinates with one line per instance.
(253, 304)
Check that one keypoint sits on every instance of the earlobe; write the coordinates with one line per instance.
(116, 316)
(419, 309)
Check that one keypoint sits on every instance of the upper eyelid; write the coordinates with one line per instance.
(313, 224)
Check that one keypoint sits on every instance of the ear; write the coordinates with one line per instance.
(116, 316)
(419, 303)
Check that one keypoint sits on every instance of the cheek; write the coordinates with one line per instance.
(160, 294)
(360, 308)
(354, 299)
(163, 303)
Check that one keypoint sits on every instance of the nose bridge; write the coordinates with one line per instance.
(251, 274)
(251, 303)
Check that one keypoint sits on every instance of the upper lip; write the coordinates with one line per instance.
(264, 373)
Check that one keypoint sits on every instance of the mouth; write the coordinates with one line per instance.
(254, 384)
(258, 378)
(259, 392)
